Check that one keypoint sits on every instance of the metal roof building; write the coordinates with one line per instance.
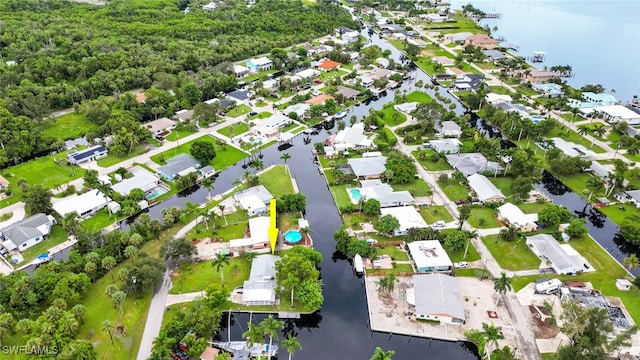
(436, 297)
(484, 188)
(260, 288)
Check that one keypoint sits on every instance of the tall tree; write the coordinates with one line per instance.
(270, 327)
(253, 335)
(108, 263)
(465, 212)
(291, 343)
(492, 334)
(380, 354)
(284, 157)
(501, 285)
(219, 263)
(631, 261)
(37, 200)
(107, 326)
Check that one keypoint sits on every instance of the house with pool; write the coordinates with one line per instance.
(367, 167)
(407, 216)
(384, 193)
(144, 180)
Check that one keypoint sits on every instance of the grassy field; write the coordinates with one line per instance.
(277, 180)
(47, 171)
(418, 96)
(340, 195)
(511, 255)
(391, 116)
(398, 268)
(531, 208)
(431, 214)
(439, 165)
(238, 128)
(354, 220)
(503, 183)
(99, 221)
(617, 215)
(192, 277)
(57, 236)
(178, 134)
(111, 159)
(454, 191)
(225, 155)
(417, 188)
(483, 218)
(69, 126)
(239, 110)
(472, 254)
(395, 253)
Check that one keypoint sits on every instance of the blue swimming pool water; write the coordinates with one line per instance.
(292, 236)
(355, 194)
(156, 194)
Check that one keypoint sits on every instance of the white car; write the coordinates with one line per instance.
(460, 265)
(438, 224)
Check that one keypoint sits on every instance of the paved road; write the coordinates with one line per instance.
(154, 318)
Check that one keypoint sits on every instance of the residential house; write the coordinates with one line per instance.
(535, 76)
(616, 113)
(142, 179)
(347, 34)
(407, 216)
(458, 38)
(299, 109)
(493, 98)
(417, 42)
(307, 74)
(482, 41)
(381, 74)
(494, 55)
(270, 85)
(84, 205)
(240, 71)
(443, 60)
(446, 146)
(484, 188)
(351, 137)
(207, 171)
(4, 183)
(435, 17)
(454, 71)
(260, 64)
(512, 215)
(471, 163)
(210, 6)
(260, 288)
(93, 153)
(159, 126)
(271, 126)
(548, 89)
(27, 232)
(407, 108)
(365, 80)
(258, 235)
(597, 169)
(572, 149)
(319, 100)
(450, 129)
(348, 93)
(384, 193)
(179, 165)
(184, 115)
(254, 200)
(436, 297)
(141, 97)
(429, 256)
(367, 168)
(600, 99)
(554, 256)
(382, 62)
(328, 65)
(239, 96)
(468, 82)
(354, 56)
(73, 143)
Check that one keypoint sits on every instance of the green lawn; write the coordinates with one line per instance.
(239, 110)
(69, 126)
(262, 115)
(470, 272)
(99, 221)
(431, 214)
(532, 208)
(398, 268)
(417, 188)
(419, 96)
(330, 75)
(57, 236)
(395, 253)
(259, 75)
(277, 180)
(617, 215)
(340, 195)
(483, 217)
(354, 220)
(226, 155)
(472, 254)
(576, 182)
(233, 228)
(575, 138)
(47, 171)
(511, 255)
(198, 276)
(502, 183)
(178, 134)
(454, 191)
(391, 116)
(439, 165)
(111, 159)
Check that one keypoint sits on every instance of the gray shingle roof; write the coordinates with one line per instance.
(177, 164)
(368, 166)
(27, 229)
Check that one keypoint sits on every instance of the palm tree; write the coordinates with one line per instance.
(208, 184)
(250, 255)
(221, 207)
(380, 354)
(270, 327)
(510, 233)
(305, 231)
(70, 223)
(291, 343)
(387, 283)
(599, 130)
(594, 184)
(492, 334)
(219, 262)
(107, 327)
(631, 262)
(254, 335)
(284, 157)
(501, 285)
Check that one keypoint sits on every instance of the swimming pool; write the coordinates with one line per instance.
(536, 118)
(355, 195)
(157, 193)
(292, 237)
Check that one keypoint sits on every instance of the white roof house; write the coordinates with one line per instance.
(308, 73)
(27, 232)
(484, 188)
(253, 205)
(407, 107)
(300, 109)
(369, 168)
(572, 149)
(493, 98)
(436, 297)
(407, 216)
(376, 189)
(142, 179)
(616, 113)
(158, 126)
(259, 230)
(429, 255)
(513, 215)
(546, 247)
(85, 205)
(259, 289)
(276, 121)
(471, 163)
(446, 146)
(450, 128)
(259, 191)
(458, 37)
(352, 137)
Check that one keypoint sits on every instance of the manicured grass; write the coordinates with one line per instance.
(99, 221)
(354, 220)
(259, 75)
(532, 207)
(431, 214)
(500, 90)
(69, 126)
(277, 180)
(287, 221)
(262, 115)
(502, 183)
(439, 165)
(511, 255)
(178, 134)
(470, 272)
(47, 171)
(330, 75)
(111, 159)
(419, 96)
(327, 162)
(226, 155)
(191, 277)
(395, 253)
(398, 268)
(239, 110)
(576, 182)
(483, 217)
(391, 116)
(526, 91)
(616, 215)
(340, 195)
(472, 254)
(417, 188)
(57, 236)
(454, 190)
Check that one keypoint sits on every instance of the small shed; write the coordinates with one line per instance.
(114, 207)
(623, 284)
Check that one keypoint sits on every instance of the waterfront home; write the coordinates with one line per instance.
(407, 216)
(384, 194)
(381, 74)
(240, 71)
(93, 153)
(417, 42)
(512, 215)
(436, 297)
(435, 17)
(27, 232)
(319, 100)
(443, 60)
(207, 171)
(299, 109)
(600, 99)
(482, 41)
(254, 200)
(382, 62)
(270, 127)
(634, 196)
(536, 76)
(484, 188)
(142, 179)
(494, 99)
(367, 168)
(348, 93)
(407, 108)
(429, 256)
(468, 82)
(258, 236)
(471, 163)
(159, 126)
(351, 137)
(554, 255)
(4, 183)
(259, 64)
(446, 146)
(84, 205)
(212, 6)
(616, 113)
(307, 74)
(365, 80)
(548, 89)
(179, 165)
(494, 55)
(598, 170)
(450, 129)
(459, 38)
(572, 149)
(260, 288)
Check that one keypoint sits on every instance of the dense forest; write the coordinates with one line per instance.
(55, 54)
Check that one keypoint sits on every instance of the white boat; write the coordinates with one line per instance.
(340, 115)
(358, 264)
(242, 351)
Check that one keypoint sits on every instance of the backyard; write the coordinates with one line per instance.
(57, 236)
(226, 155)
(190, 277)
(483, 217)
(112, 159)
(391, 116)
(69, 126)
(239, 110)
(418, 96)
(395, 252)
(277, 180)
(431, 214)
(234, 129)
(417, 188)
(511, 255)
(454, 190)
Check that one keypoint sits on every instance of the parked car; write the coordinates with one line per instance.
(438, 224)
(315, 93)
(253, 113)
(461, 201)
(460, 265)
